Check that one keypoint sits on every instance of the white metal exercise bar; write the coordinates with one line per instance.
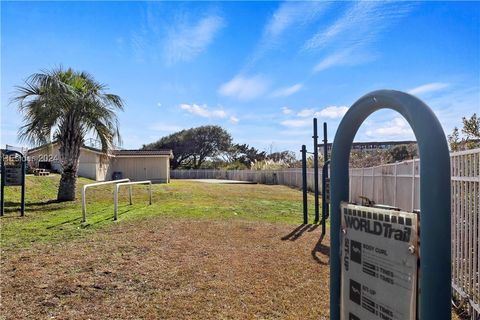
(117, 187)
(84, 189)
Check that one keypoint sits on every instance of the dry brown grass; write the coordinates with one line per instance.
(171, 269)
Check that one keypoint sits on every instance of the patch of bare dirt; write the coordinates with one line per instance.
(172, 269)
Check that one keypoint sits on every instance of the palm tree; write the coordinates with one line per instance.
(67, 105)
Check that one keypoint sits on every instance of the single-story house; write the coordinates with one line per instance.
(136, 165)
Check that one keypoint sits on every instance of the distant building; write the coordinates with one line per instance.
(371, 146)
(93, 164)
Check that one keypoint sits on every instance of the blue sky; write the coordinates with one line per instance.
(261, 70)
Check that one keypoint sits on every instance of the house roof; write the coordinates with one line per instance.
(119, 153)
(142, 152)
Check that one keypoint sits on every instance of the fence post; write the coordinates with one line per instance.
(395, 186)
(413, 186)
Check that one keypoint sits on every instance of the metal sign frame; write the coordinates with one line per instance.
(435, 236)
(6, 153)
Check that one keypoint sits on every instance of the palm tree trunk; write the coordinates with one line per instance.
(70, 141)
(67, 187)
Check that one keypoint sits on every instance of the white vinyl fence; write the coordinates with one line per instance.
(398, 185)
(465, 170)
(288, 177)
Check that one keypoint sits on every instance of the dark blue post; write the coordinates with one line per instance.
(435, 236)
(324, 196)
(315, 170)
(2, 196)
(325, 208)
(304, 184)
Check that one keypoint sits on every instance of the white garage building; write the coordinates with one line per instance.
(134, 164)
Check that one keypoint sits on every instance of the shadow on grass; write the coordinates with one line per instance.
(320, 249)
(62, 223)
(131, 208)
(298, 231)
(88, 224)
(119, 214)
(36, 206)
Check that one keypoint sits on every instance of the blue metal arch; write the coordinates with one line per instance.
(435, 236)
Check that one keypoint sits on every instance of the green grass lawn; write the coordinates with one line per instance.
(46, 220)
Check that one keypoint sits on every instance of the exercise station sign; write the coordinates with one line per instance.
(13, 167)
(379, 263)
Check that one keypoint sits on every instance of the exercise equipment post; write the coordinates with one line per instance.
(326, 162)
(117, 187)
(84, 190)
(304, 184)
(315, 170)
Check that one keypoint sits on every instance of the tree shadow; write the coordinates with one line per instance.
(35, 206)
(321, 249)
(298, 231)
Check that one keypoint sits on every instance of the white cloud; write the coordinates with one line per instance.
(451, 105)
(332, 112)
(361, 24)
(159, 104)
(396, 128)
(244, 88)
(429, 87)
(297, 123)
(185, 41)
(286, 110)
(306, 113)
(289, 15)
(304, 117)
(345, 57)
(234, 120)
(348, 37)
(203, 111)
(338, 58)
(287, 91)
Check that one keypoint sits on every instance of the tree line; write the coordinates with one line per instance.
(212, 147)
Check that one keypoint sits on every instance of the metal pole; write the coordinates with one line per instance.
(130, 194)
(150, 188)
(315, 169)
(115, 202)
(325, 206)
(304, 184)
(84, 191)
(324, 195)
(325, 142)
(22, 204)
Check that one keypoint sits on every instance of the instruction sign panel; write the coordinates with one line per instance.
(13, 171)
(379, 264)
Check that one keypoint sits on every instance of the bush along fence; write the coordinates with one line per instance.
(398, 185)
